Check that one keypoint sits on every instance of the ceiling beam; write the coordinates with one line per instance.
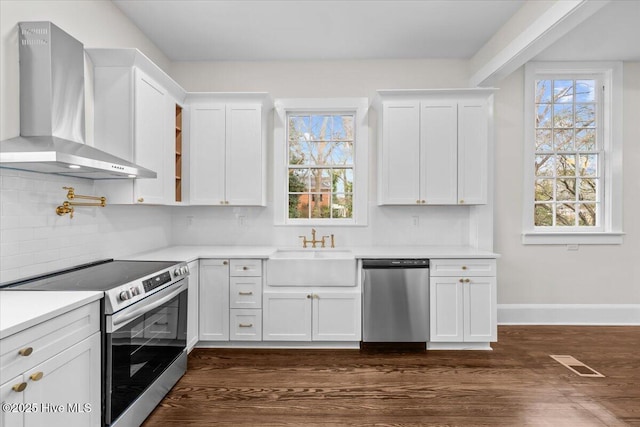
(533, 28)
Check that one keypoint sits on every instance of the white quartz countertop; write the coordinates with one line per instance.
(191, 253)
(20, 310)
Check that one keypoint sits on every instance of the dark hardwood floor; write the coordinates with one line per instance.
(516, 384)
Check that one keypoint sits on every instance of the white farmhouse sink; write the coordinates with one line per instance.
(311, 267)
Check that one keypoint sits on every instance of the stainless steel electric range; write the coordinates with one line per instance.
(144, 329)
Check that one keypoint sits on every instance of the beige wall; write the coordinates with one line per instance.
(283, 79)
(550, 274)
(94, 23)
(527, 274)
(33, 239)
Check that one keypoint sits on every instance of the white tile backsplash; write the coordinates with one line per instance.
(35, 240)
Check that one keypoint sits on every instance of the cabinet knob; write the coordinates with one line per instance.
(466, 280)
(25, 351)
(140, 199)
(461, 202)
(461, 280)
(19, 387)
(308, 296)
(225, 262)
(222, 202)
(245, 268)
(36, 376)
(464, 267)
(418, 201)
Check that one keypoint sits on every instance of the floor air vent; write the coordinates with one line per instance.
(576, 366)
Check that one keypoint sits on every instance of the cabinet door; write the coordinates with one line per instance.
(446, 307)
(70, 382)
(207, 154)
(152, 139)
(336, 316)
(400, 153)
(214, 300)
(472, 152)
(286, 316)
(480, 309)
(244, 155)
(192, 304)
(439, 155)
(10, 418)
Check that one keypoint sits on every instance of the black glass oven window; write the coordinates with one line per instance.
(143, 349)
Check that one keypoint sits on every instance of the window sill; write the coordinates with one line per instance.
(560, 238)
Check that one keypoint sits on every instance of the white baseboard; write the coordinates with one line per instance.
(569, 314)
(458, 346)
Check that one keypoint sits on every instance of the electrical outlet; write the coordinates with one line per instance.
(415, 220)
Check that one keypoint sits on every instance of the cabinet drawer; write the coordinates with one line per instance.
(462, 267)
(245, 325)
(47, 339)
(245, 292)
(245, 267)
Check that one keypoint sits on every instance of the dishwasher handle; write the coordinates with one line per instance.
(370, 264)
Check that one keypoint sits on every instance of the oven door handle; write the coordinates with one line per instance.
(118, 320)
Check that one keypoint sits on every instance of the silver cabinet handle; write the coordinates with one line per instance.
(245, 325)
(245, 293)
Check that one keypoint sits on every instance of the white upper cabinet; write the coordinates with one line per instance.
(227, 149)
(434, 148)
(439, 153)
(473, 162)
(152, 140)
(206, 172)
(400, 174)
(135, 118)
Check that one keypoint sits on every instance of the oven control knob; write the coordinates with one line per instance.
(135, 292)
(176, 272)
(184, 270)
(125, 295)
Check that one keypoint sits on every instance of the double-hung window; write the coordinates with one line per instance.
(573, 153)
(321, 161)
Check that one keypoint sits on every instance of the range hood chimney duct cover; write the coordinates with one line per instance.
(52, 130)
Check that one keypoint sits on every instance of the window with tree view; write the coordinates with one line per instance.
(320, 165)
(568, 153)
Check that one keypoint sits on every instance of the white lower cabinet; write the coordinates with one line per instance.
(230, 300)
(312, 315)
(54, 371)
(463, 307)
(192, 305)
(214, 300)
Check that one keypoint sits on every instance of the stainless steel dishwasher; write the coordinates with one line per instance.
(395, 300)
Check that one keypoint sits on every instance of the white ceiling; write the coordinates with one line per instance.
(254, 30)
(216, 30)
(612, 34)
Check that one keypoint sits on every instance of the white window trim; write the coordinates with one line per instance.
(359, 106)
(611, 233)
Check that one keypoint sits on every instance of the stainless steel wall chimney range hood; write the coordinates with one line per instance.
(52, 135)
